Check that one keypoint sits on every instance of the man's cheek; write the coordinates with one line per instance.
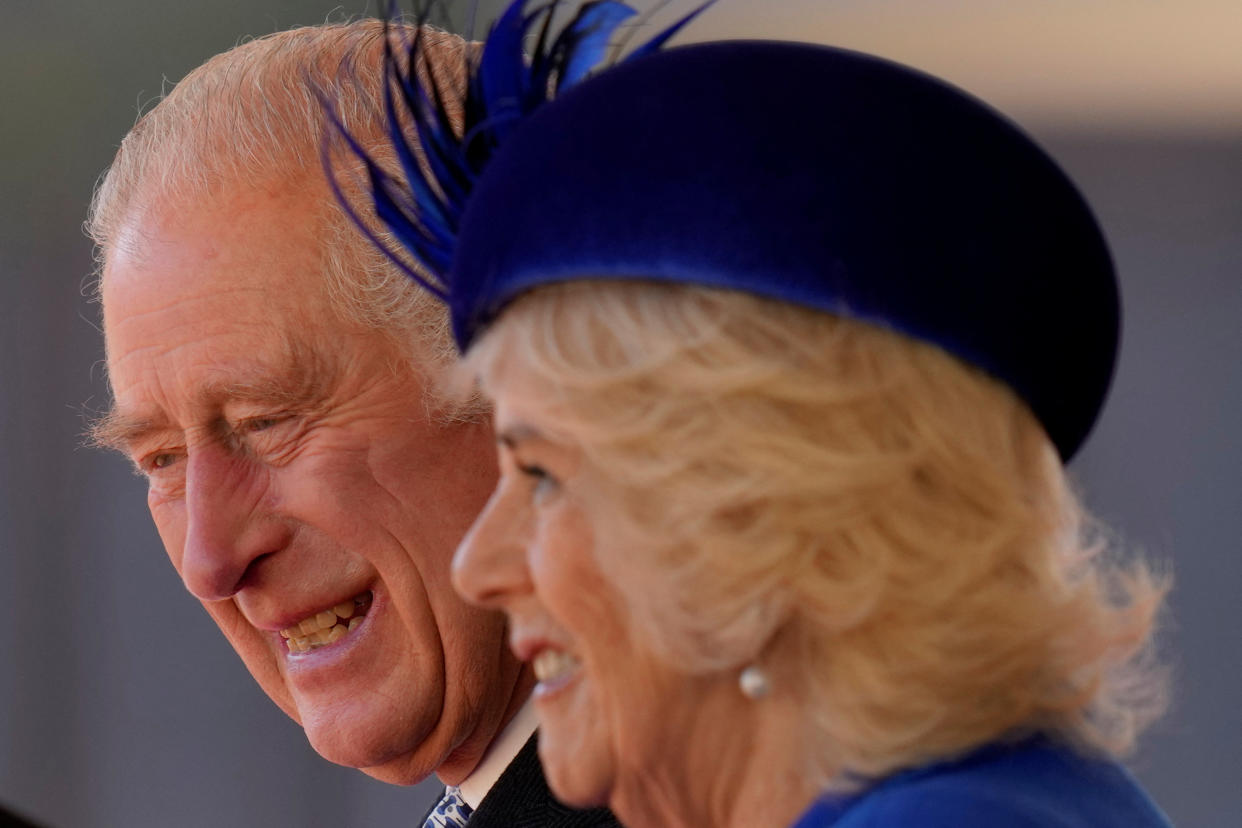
(255, 653)
(169, 518)
(325, 489)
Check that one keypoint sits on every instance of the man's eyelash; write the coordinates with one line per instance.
(251, 425)
(156, 461)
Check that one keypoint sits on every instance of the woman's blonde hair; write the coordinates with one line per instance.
(886, 530)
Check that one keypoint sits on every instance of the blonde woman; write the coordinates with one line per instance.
(787, 346)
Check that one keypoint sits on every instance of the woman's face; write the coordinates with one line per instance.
(602, 697)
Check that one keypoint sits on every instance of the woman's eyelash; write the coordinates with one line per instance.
(543, 481)
(533, 471)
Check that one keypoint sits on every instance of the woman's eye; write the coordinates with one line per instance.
(537, 473)
(532, 471)
(162, 461)
(544, 482)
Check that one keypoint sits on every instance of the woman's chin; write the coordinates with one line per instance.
(580, 776)
(576, 795)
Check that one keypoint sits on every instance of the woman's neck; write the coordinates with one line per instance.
(725, 762)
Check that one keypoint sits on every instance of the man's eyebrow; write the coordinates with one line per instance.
(297, 382)
(297, 378)
(119, 431)
(289, 390)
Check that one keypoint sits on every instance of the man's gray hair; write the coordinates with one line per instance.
(252, 116)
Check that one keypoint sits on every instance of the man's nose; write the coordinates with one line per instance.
(226, 532)
(489, 567)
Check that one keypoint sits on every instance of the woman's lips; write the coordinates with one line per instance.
(554, 669)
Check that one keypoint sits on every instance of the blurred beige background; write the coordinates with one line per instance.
(1135, 65)
(120, 704)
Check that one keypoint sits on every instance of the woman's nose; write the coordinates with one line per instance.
(489, 567)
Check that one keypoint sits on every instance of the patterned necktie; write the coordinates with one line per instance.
(452, 812)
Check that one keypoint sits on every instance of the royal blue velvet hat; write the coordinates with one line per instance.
(814, 175)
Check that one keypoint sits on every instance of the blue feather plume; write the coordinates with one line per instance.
(422, 208)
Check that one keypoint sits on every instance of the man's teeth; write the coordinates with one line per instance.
(551, 665)
(327, 626)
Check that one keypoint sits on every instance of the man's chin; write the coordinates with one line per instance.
(399, 772)
(385, 758)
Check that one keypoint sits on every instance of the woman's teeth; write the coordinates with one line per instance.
(551, 665)
(327, 626)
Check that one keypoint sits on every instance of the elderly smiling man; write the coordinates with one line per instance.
(272, 379)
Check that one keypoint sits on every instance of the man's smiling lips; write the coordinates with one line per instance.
(327, 626)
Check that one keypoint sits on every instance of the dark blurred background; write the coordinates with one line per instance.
(120, 703)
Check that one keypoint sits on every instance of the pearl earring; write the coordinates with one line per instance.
(754, 683)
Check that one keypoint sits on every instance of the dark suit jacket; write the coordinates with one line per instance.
(8, 819)
(521, 799)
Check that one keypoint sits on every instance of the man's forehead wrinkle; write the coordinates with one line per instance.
(121, 347)
(149, 387)
(207, 292)
(241, 296)
(160, 349)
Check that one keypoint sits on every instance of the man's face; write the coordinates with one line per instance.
(292, 470)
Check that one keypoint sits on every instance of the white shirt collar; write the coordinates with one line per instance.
(501, 752)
